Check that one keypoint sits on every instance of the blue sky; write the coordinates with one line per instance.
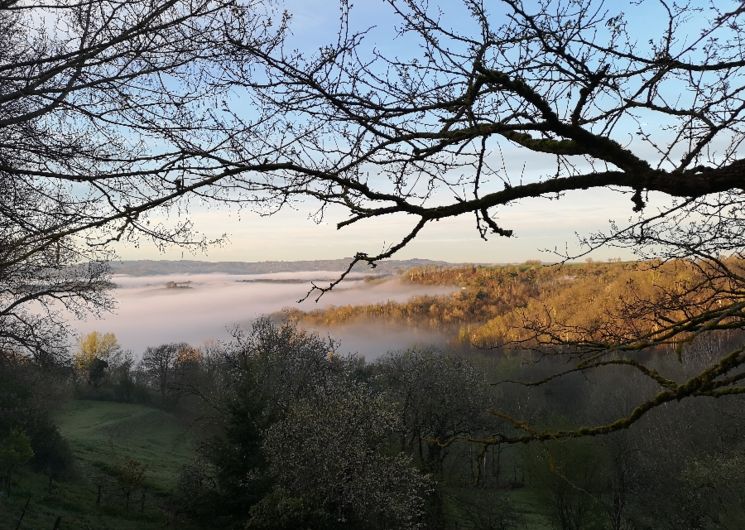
(539, 224)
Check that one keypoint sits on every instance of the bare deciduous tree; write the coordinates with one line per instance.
(111, 110)
(107, 106)
(656, 116)
(158, 363)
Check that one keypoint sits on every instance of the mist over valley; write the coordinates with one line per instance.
(592, 379)
(196, 308)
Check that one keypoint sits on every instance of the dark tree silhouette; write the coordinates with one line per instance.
(417, 133)
(113, 110)
(160, 364)
(106, 106)
(657, 117)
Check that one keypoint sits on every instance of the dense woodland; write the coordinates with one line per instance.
(530, 304)
(288, 433)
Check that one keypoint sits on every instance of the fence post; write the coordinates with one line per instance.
(23, 513)
(57, 522)
(142, 502)
(98, 496)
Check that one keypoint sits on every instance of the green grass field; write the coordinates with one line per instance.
(104, 435)
(475, 508)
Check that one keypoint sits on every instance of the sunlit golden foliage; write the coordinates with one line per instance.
(188, 355)
(617, 304)
(587, 303)
(95, 345)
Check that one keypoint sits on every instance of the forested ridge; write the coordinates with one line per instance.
(529, 304)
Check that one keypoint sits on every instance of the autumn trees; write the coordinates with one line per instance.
(96, 345)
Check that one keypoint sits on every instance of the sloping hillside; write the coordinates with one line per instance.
(105, 439)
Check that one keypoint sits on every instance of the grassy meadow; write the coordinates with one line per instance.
(104, 437)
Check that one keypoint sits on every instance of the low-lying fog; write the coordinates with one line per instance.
(151, 313)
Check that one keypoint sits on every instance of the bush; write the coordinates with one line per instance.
(52, 454)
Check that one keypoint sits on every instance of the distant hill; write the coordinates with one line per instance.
(157, 267)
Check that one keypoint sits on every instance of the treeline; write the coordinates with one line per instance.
(532, 304)
(483, 291)
(101, 369)
(294, 435)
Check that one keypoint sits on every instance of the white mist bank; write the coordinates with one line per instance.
(148, 313)
(374, 339)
